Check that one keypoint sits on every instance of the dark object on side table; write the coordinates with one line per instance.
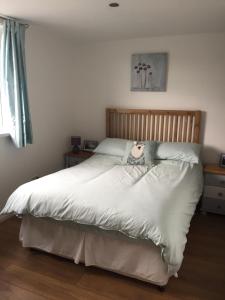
(222, 160)
(90, 145)
(76, 143)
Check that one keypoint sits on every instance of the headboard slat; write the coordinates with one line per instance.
(160, 125)
(175, 128)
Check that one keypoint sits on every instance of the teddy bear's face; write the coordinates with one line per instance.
(137, 150)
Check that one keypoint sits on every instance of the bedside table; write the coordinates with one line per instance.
(74, 158)
(213, 199)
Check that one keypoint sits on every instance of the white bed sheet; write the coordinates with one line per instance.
(154, 205)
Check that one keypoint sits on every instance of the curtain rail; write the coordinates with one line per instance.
(3, 17)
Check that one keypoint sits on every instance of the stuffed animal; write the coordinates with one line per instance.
(136, 155)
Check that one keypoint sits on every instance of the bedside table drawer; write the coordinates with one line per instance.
(213, 179)
(74, 158)
(214, 192)
(213, 205)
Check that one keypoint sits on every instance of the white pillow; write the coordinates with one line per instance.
(188, 152)
(112, 146)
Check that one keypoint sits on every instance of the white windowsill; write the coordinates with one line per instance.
(2, 134)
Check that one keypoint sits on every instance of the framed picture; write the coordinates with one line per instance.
(90, 145)
(149, 72)
(222, 160)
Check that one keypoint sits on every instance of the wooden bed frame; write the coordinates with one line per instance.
(156, 125)
(136, 124)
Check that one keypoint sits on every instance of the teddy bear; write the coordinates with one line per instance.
(136, 155)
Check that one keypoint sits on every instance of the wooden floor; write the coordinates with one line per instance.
(35, 275)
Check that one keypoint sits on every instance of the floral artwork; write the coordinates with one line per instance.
(149, 72)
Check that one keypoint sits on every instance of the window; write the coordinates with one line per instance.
(14, 120)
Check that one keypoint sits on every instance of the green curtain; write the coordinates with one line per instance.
(14, 97)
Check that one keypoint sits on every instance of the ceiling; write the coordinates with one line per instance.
(94, 20)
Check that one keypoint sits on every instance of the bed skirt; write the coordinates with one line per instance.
(95, 247)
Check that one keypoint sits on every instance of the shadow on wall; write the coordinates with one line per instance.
(210, 154)
(203, 122)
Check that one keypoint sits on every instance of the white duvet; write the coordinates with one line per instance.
(155, 205)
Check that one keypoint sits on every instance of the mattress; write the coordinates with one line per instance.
(154, 205)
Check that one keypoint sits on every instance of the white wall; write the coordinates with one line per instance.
(50, 96)
(196, 80)
(70, 87)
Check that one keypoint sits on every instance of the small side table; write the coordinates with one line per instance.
(213, 199)
(74, 158)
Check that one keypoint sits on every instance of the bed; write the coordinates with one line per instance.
(98, 230)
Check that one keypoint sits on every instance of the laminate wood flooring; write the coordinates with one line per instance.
(35, 275)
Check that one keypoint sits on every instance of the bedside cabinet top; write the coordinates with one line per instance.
(214, 169)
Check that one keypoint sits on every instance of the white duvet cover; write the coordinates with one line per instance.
(157, 204)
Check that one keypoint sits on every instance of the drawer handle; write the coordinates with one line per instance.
(222, 182)
(220, 194)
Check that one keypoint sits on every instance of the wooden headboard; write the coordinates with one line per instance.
(156, 125)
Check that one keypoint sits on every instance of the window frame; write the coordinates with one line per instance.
(3, 131)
